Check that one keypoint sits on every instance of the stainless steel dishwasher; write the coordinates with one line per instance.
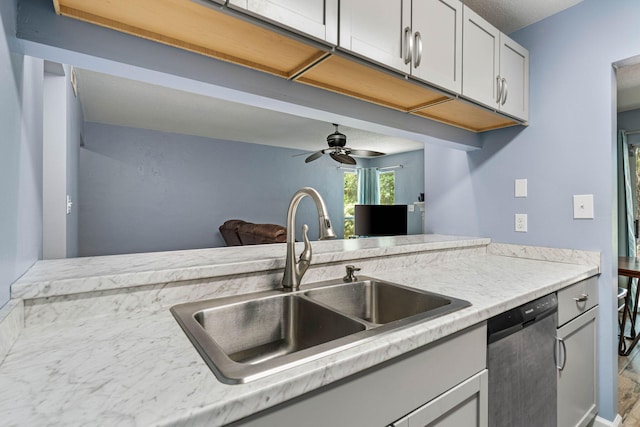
(522, 368)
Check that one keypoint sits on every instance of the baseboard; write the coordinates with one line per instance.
(601, 422)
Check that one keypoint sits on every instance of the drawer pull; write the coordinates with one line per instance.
(581, 298)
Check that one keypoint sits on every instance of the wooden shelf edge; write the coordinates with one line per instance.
(160, 38)
(350, 93)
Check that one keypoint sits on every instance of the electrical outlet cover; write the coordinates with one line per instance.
(521, 223)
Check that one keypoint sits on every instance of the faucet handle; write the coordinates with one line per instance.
(305, 257)
(350, 277)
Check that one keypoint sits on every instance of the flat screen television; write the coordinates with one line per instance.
(380, 220)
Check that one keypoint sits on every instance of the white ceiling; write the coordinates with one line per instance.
(123, 102)
(511, 15)
(628, 78)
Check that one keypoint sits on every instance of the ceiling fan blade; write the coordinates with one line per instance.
(300, 154)
(366, 153)
(314, 156)
(343, 158)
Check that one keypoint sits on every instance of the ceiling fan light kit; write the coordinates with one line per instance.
(339, 151)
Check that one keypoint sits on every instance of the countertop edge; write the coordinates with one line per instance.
(31, 285)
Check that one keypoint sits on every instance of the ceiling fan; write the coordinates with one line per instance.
(339, 152)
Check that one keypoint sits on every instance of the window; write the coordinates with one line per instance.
(387, 187)
(350, 199)
(386, 191)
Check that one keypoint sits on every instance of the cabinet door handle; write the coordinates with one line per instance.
(560, 354)
(581, 298)
(408, 45)
(418, 51)
(498, 89)
(505, 90)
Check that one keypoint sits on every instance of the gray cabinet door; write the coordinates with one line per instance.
(514, 72)
(480, 59)
(379, 30)
(316, 18)
(577, 378)
(437, 33)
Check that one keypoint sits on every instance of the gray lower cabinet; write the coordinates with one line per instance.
(576, 359)
(449, 373)
(463, 405)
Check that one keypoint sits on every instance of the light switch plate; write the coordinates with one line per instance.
(521, 187)
(410, 208)
(583, 206)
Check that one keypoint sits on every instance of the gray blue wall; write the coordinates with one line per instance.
(142, 190)
(21, 156)
(567, 149)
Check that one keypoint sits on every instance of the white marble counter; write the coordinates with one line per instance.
(138, 368)
(79, 275)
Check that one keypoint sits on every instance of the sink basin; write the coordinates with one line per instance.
(379, 302)
(250, 336)
(256, 331)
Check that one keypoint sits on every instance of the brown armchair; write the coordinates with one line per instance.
(237, 232)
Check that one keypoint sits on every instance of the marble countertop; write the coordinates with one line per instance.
(141, 369)
(78, 275)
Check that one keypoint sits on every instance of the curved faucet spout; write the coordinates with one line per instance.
(294, 270)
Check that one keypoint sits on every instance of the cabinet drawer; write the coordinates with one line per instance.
(576, 299)
(464, 405)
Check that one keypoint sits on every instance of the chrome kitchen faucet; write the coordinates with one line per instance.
(294, 270)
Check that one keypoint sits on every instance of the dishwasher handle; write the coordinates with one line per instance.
(560, 354)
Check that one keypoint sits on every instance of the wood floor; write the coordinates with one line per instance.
(629, 388)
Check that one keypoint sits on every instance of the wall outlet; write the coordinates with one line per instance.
(521, 223)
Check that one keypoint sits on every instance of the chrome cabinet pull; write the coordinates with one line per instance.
(505, 90)
(498, 89)
(560, 353)
(581, 298)
(408, 45)
(418, 46)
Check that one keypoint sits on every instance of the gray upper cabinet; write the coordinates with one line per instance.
(514, 75)
(437, 42)
(379, 30)
(495, 69)
(480, 60)
(315, 18)
(420, 37)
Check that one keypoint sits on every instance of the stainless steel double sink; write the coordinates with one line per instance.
(250, 336)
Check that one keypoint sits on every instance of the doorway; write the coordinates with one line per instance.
(628, 127)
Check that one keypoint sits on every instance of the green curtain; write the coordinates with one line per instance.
(368, 190)
(626, 215)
